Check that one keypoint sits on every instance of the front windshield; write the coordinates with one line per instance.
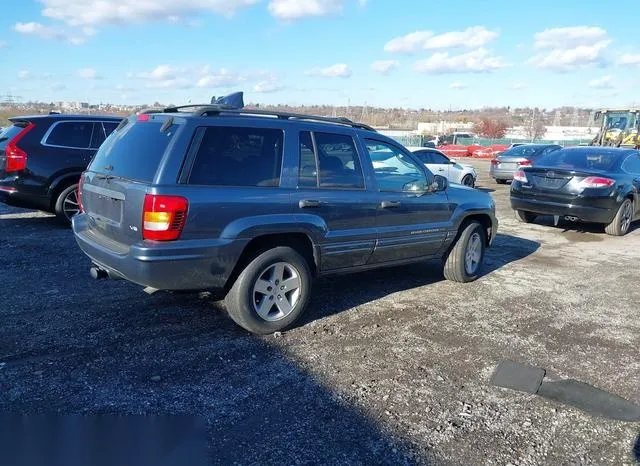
(617, 121)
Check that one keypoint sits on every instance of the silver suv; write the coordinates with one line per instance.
(257, 204)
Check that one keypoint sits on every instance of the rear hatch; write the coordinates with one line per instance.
(115, 184)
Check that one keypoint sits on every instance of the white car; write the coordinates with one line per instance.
(440, 164)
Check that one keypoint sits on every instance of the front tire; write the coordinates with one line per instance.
(67, 204)
(501, 181)
(620, 224)
(524, 216)
(272, 291)
(464, 261)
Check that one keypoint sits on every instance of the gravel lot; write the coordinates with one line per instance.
(390, 366)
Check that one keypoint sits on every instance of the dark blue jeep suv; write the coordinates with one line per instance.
(256, 204)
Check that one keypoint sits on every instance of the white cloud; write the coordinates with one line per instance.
(88, 73)
(458, 85)
(569, 37)
(101, 12)
(24, 74)
(3, 44)
(606, 82)
(296, 9)
(221, 78)
(47, 32)
(566, 49)
(516, 86)
(57, 87)
(476, 61)
(268, 86)
(629, 59)
(159, 73)
(339, 70)
(172, 83)
(472, 37)
(384, 66)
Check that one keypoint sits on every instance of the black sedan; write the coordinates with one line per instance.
(581, 184)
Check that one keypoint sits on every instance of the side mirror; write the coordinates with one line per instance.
(440, 183)
(453, 161)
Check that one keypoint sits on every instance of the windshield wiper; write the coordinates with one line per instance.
(104, 177)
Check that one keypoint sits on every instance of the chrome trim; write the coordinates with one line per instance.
(53, 126)
(104, 192)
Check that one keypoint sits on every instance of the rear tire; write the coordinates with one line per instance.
(464, 261)
(524, 216)
(469, 181)
(620, 224)
(501, 181)
(67, 204)
(260, 300)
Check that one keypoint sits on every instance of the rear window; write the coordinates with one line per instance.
(234, 156)
(524, 151)
(580, 160)
(9, 133)
(134, 151)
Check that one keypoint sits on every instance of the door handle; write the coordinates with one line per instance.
(389, 204)
(440, 169)
(308, 203)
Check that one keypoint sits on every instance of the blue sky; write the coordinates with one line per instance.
(409, 53)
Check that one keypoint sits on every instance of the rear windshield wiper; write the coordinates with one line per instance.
(100, 176)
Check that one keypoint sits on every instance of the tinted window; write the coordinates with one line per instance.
(550, 149)
(576, 159)
(231, 156)
(9, 133)
(134, 151)
(439, 158)
(394, 170)
(338, 162)
(71, 134)
(632, 164)
(307, 169)
(100, 132)
(424, 156)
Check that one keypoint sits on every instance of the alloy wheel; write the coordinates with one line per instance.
(277, 291)
(473, 254)
(71, 206)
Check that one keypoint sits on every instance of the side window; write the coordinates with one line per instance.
(337, 161)
(632, 164)
(74, 134)
(439, 159)
(231, 156)
(394, 170)
(548, 150)
(424, 156)
(101, 129)
(307, 168)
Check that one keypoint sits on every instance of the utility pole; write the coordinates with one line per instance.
(533, 119)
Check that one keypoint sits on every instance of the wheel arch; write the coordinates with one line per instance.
(60, 183)
(298, 241)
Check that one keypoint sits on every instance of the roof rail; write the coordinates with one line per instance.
(210, 110)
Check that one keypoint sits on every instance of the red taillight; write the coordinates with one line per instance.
(163, 217)
(597, 182)
(80, 206)
(144, 117)
(520, 176)
(494, 162)
(16, 157)
(525, 163)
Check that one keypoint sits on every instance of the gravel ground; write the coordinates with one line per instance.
(387, 367)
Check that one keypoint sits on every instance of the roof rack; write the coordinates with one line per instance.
(234, 104)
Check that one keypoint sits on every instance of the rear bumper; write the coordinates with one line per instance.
(11, 194)
(583, 213)
(176, 265)
(498, 174)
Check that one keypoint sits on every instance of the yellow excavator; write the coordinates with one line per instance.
(618, 128)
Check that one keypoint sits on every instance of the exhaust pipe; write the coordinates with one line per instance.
(98, 274)
(571, 218)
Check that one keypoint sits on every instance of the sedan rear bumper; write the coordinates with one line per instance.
(579, 212)
(499, 174)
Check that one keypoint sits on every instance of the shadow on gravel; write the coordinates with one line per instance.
(636, 450)
(106, 348)
(485, 190)
(507, 249)
(579, 227)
